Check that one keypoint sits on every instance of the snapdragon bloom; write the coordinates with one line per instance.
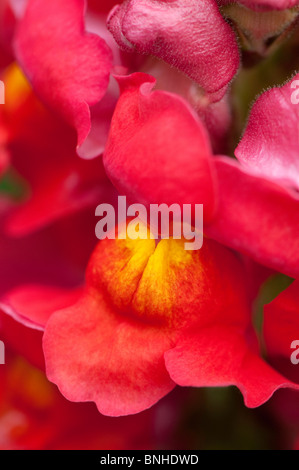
(151, 317)
(123, 322)
(183, 307)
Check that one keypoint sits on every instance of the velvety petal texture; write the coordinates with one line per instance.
(191, 36)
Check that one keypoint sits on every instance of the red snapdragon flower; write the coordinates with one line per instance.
(199, 308)
(154, 335)
(7, 26)
(146, 317)
(139, 294)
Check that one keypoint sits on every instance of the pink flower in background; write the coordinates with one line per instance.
(167, 30)
(194, 37)
(264, 148)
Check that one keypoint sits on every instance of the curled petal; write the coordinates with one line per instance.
(32, 305)
(191, 36)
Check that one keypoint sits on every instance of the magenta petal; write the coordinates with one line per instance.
(190, 35)
(268, 146)
(7, 25)
(68, 68)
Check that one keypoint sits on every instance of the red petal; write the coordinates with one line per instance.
(32, 305)
(23, 340)
(69, 69)
(59, 182)
(281, 323)
(257, 217)
(92, 356)
(219, 356)
(156, 163)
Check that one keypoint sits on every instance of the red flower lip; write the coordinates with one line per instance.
(140, 302)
